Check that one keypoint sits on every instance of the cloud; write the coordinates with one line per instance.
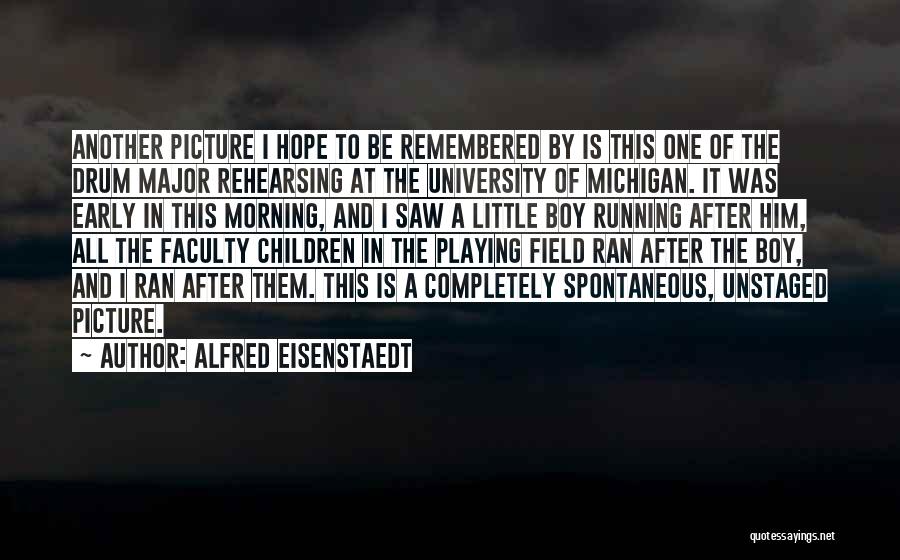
(874, 21)
(847, 245)
(861, 82)
(35, 131)
(34, 147)
(285, 104)
(536, 63)
(165, 34)
(514, 382)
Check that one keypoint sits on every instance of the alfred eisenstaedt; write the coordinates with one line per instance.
(245, 355)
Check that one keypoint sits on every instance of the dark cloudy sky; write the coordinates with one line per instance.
(638, 391)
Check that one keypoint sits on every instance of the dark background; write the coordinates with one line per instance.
(698, 423)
